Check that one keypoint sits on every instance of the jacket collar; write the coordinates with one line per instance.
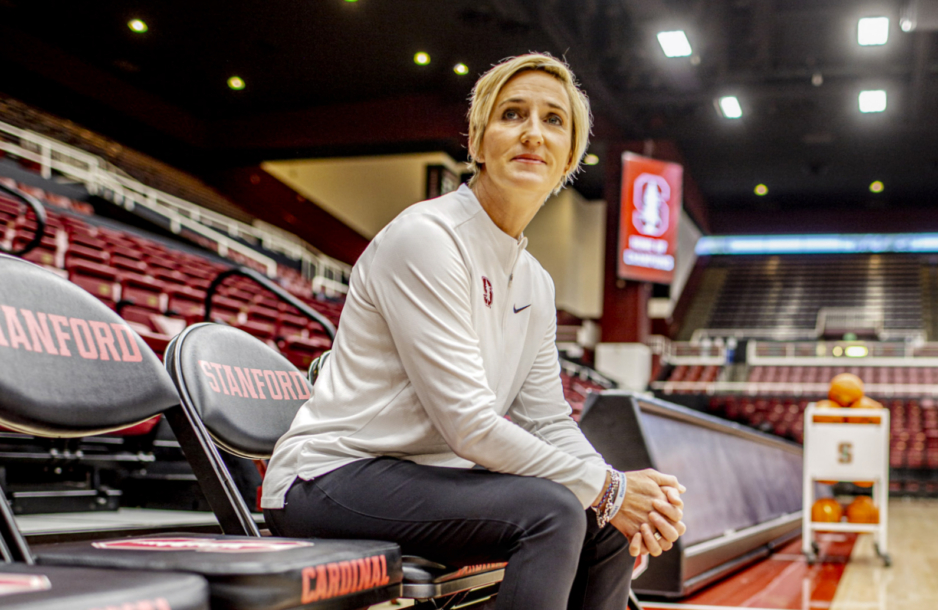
(507, 249)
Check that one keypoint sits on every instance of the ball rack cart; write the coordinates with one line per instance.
(846, 452)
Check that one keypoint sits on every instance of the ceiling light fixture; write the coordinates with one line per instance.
(872, 101)
(877, 187)
(421, 58)
(137, 25)
(461, 69)
(856, 351)
(730, 107)
(236, 83)
(761, 190)
(873, 31)
(590, 159)
(674, 44)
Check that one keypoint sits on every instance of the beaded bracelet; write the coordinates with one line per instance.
(612, 499)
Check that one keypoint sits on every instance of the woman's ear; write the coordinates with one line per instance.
(473, 154)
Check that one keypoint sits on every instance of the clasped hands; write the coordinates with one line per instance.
(652, 503)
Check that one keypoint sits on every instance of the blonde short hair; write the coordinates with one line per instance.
(486, 91)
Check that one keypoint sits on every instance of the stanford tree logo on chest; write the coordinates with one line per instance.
(487, 291)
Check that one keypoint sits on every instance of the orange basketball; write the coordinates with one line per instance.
(846, 389)
(862, 510)
(827, 510)
(865, 402)
(825, 419)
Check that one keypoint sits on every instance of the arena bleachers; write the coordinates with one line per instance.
(787, 293)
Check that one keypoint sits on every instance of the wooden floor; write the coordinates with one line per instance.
(849, 577)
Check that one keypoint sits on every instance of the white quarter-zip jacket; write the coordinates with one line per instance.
(449, 325)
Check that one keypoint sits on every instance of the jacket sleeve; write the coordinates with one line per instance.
(541, 409)
(420, 283)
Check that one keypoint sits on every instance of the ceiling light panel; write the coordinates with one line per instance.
(872, 101)
(873, 31)
(730, 108)
(675, 44)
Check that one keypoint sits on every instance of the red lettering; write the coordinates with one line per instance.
(39, 332)
(145, 605)
(84, 341)
(221, 380)
(284, 378)
(334, 580)
(3, 339)
(162, 604)
(346, 584)
(385, 579)
(60, 335)
(128, 355)
(272, 387)
(299, 380)
(322, 583)
(375, 572)
(207, 369)
(247, 386)
(17, 334)
(309, 594)
(257, 374)
(364, 573)
(105, 339)
(232, 382)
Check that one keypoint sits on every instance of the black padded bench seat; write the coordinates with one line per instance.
(251, 573)
(425, 579)
(31, 587)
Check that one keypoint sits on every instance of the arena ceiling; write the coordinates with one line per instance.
(332, 77)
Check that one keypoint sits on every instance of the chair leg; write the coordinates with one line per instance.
(633, 602)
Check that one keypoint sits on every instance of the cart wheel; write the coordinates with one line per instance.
(816, 547)
(811, 558)
(887, 561)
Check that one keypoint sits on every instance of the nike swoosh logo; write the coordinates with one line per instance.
(517, 309)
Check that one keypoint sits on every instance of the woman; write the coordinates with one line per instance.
(449, 325)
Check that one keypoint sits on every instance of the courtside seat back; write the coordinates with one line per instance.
(245, 393)
(70, 365)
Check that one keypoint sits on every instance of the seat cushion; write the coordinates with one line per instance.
(24, 587)
(420, 570)
(254, 573)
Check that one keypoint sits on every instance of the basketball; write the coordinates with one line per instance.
(846, 389)
(825, 419)
(827, 510)
(865, 402)
(862, 510)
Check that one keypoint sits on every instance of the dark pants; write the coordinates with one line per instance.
(557, 557)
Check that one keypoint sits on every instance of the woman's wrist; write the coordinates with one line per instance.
(602, 490)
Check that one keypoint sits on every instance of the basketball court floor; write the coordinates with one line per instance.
(849, 576)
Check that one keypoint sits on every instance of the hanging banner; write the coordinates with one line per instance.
(649, 216)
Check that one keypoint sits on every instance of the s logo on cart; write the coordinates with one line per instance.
(845, 453)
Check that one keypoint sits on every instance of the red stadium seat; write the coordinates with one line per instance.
(301, 351)
(99, 280)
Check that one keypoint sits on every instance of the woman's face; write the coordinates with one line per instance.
(528, 140)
